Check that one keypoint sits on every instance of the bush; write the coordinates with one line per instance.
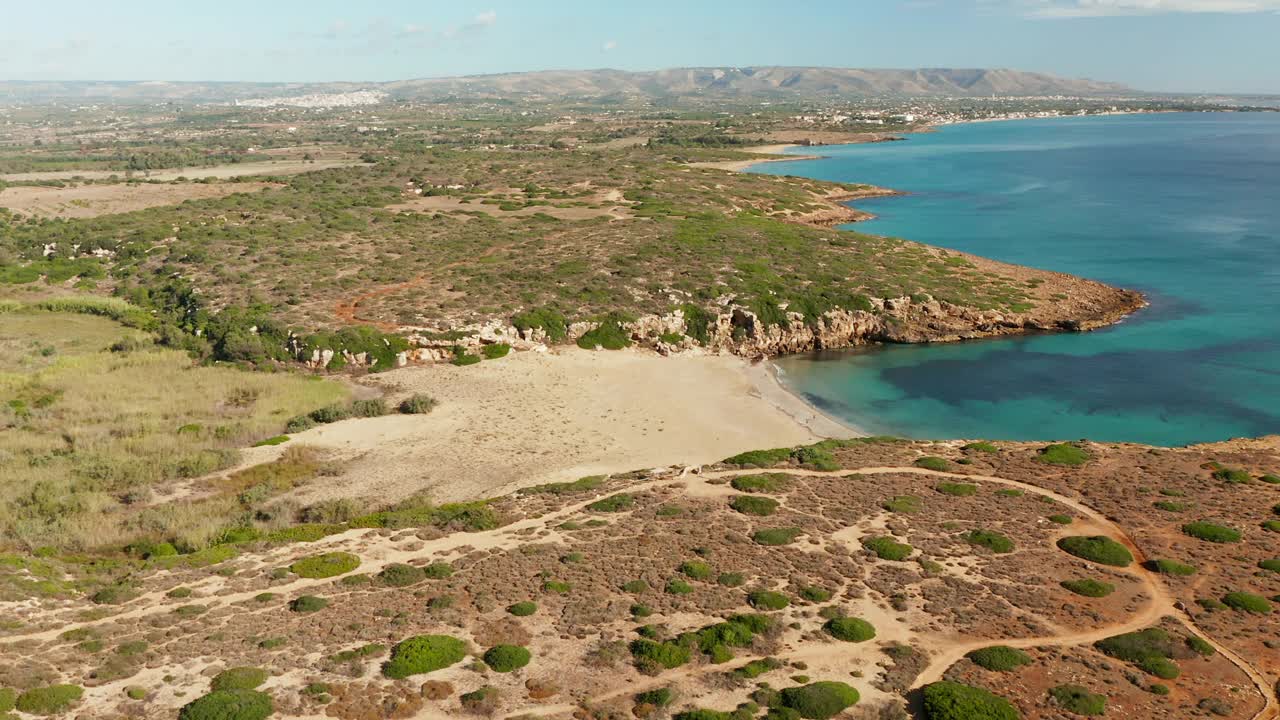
(417, 404)
(277, 440)
(989, 539)
(731, 579)
(1232, 476)
(423, 654)
(7, 699)
(49, 700)
(999, 658)
(325, 566)
(438, 570)
(549, 320)
(1270, 479)
(776, 536)
(613, 503)
(902, 504)
(239, 678)
(308, 604)
(556, 586)
(1271, 526)
(815, 594)
(767, 600)
(819, 700)
(401, 575)
(1171, 567)
(523, 609)
(228, 705)
(1210, 532)
(609, 334)
(1062, 454)
(658, 698)
(1089, 588)
(136, 693)
(678, 587)
(816, 458)
(1078, 700)
(753, 505)
(1097, 548)
(696, 569)
(957, 489)
(849, 629)
(760, 458)
(767, 483)
(1200, 646)
(1172, 506)
(1149, 649)
(373, 407)
(663, 654)
(507, 658)
(1271, 564)
(948, 700)
(495, 351)
(886, 548)
(1060, 519)
(933, 463)
(1246, 602)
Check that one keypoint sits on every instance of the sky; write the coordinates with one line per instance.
(1226, 46)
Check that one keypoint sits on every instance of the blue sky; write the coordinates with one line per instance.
(1161, 45)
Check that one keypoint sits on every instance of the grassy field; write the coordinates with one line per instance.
(97, 420)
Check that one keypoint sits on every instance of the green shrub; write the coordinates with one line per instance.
(815, 594)
(767, 600)
(549, 320)
(1149, 649)
(819, 700)
(1158, 689)
(886, 548)
(816, 458)
(507, 658)
(659, 698)
(228, 705)
(134, 692)
(1270, 479)
(759, 458)
(957, 489)
(1171, 567)
(1062, 454)
(947, 700)
(238, 678)
(556, 586)
(756, 668)
(438, 570)
(276, 440)
(417, 404)
(1097, 548)
(1172, 506)
(1078, 700)
(1010, 492)
(359, 653)
(1270, 564)
(613, 503)
(113, 595)
(372, 407)
(849, 629)
(423, 654)
(754, 505)
(999, 658)
(1233, 476)
(1210, 532)
(1246, 602)
(495, 351)
(981, 446)
(523, 609)
(696, 569)
(989, 539)
(401, 575)
(677, 586)
(1271, 526)
(49, 700)
(591, 482)
(902, 504)
(930, 462)
(462, 358)
(776, 536)
(325, 566)
(664, 654)
(308, 604)
(731, 579)
(766, 483)
(635, 586)
(1089, 588)
(1200, 646)
(609, 334)
(1060, 519)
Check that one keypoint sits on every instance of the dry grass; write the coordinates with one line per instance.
(89, 432)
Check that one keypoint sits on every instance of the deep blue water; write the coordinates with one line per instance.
(1185, 207)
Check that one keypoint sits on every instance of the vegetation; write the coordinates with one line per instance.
(696, 569)
(1246, 602)
(999, 658)
(957, 489)
(819, 700)
(417, 404)
(401, 575)
(1089, 587)
(308, 604)
(325, 566)
(902, 504)
(1063, 454)
(1078, 700)
(523, 609)
(754, 505)
(933, 463)
(849, 629)
(1210, 532)
(423, 654)
(1171, 567)
(1097, 548)
(48, 700)
(886, 548)
(989, 539)
(229, 705)
(507, 658)
(613, 503)
(947, 700)
(766, 483)
(767, 600)
(1151, 650)
(649, 654)
(777, 536)
(981, 446)
(239, 678)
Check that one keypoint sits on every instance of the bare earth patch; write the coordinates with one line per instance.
(93, 200)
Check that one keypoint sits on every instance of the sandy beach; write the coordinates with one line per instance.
(740, 165)
(533, 418)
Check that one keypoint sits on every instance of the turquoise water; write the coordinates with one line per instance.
(1185, 207)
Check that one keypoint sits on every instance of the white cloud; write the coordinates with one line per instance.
(1107, 8)
(609, 45)
(487, 17)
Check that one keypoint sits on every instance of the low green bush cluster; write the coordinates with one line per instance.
(401, 575)
(1151, 650)
(610, 334)
(999, 658)
(756, 668)
(417, 404)
(271, 441)
(591, 482)
(886, 548)
(716, 641)
(495, 351)
(1060, 519)
(1063, 454)
(1171, 567)
(1172, 506)
(556, 586)
(326, 565)
(676, 586)
(423, 654)
(549, 320)
(652, 654)
(776, 536)
(507, 658)
(754, 505)
(228, 705)
(1247, 602)
(308, 604)
(1210, 532)
(696, 569)
(1078, 700)
(947, 700)
(930, 462)
(1270, 564)
(989, 539)
(767, 600)
(614, 503)
(1232, 475)
(957, 489)
(523, 609)
(902, 504)
(48, 700)
(238, 678)
(1097, 548)
(766, 483)
(1089, 587)
(849, 629)
(816, 457)
(819, 700)
(981, 446)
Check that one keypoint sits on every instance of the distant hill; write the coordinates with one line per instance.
(718, 82)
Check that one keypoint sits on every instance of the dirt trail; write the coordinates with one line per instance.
(378, 551)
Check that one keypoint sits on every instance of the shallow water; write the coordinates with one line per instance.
(1185, 207)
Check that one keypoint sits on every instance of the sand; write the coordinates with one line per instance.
(740, 165)
(84, 201)
(534, 417)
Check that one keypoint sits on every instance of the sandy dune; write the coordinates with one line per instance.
(532, 418)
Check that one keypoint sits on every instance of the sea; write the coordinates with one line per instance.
(1184, 207)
